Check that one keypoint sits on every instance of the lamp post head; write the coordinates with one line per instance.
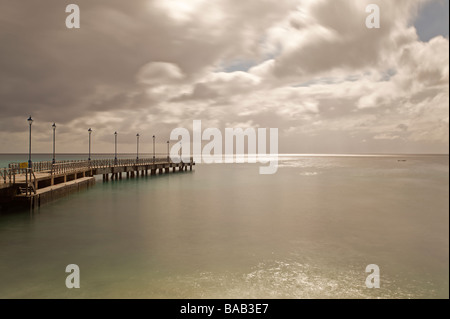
(54, 126)
(115, 133)
(90, 130)
(153, 136)
(137, 135)
(30, 120)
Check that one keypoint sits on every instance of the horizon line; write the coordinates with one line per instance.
(268, 154)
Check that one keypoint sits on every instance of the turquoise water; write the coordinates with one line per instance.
(224, 231)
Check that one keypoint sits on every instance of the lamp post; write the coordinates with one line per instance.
(154, 148)
(115, 148)
(90, 132)
(54, 133)
(137, 147)
(168, 152)
(30, 164)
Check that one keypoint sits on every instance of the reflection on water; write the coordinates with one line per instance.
(224, 231)
(287, 280)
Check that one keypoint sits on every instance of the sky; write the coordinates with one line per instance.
(310, 68)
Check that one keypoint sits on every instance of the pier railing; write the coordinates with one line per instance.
(5, 176)
(68, 166)
(127, 162)
(8, 175)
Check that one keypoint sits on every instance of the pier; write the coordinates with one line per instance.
(47, 181)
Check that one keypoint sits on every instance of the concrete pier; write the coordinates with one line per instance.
(46, 181)
(48, 194)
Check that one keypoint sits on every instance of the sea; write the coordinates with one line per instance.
(225, 231)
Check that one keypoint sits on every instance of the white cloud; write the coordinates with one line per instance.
(159, 73)
(316, 69)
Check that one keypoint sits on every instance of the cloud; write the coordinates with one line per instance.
(311, 68)
(324, 36)
(159, 73)
(219, 85)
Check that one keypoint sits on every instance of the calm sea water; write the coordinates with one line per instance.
(224, 231)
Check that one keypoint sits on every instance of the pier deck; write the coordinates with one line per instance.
(46, 181)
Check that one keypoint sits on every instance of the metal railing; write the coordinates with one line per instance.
(37, 167)
(127, 162)
(8, 175)
(68, 166)
(5, 176)
(30, 182)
